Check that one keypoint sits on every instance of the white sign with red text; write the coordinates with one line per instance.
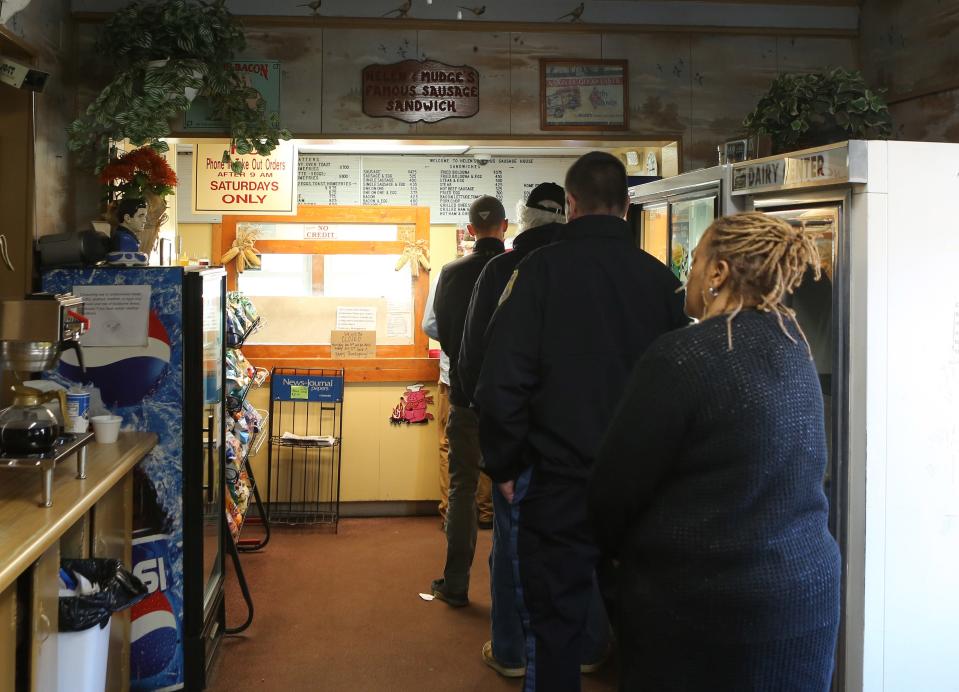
(267, 184)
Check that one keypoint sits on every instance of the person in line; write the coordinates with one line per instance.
(708, 485)
(571, 323)
(484, 500)
(487, 223)
(538, 218)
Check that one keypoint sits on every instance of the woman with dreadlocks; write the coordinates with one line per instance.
(708, 486)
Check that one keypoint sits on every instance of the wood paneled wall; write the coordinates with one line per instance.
(691, 86)
(694, 86)
(911, 48)
(47, 27)
(15, 161)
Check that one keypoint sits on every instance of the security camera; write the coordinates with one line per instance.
(482, 159)
(21, 76)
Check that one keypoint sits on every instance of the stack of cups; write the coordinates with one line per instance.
(77, 418)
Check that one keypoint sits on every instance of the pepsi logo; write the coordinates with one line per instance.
(154, 639)
(125, 375)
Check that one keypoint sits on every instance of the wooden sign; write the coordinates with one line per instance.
(420, 90)
(350, 343)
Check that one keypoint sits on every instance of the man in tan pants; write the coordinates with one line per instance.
(484, 498)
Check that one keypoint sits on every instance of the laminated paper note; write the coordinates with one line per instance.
(352, 344)
(356, 318)
(118, 314)
(398, 320)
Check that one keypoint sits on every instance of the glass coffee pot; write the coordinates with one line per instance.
(28, 426)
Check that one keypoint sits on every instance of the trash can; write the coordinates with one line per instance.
(91, 591)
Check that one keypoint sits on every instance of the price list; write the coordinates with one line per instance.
(383, 187)
(447, 185)
(328, 180)
(460, 182)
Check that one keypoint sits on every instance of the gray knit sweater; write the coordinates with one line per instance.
(708, 488)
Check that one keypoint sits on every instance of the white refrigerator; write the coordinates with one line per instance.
(884, 327)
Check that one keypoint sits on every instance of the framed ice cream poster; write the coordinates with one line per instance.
(584, 94)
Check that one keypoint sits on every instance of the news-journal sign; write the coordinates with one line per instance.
(415, 90)
(262, 75)
(267, 184)
(805, 169)
(327, 388)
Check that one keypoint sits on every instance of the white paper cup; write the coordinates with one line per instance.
(106, 428)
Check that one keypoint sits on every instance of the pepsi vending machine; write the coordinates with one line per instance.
(155, 353)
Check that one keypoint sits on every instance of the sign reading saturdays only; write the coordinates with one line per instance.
(267, 184)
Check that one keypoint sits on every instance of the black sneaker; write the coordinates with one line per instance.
(438, 587)
(485, 525)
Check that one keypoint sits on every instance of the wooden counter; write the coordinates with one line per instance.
(29, 529)
(92, 517)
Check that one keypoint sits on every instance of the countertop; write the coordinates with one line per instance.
(27, 530)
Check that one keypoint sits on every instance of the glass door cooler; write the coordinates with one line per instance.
(155, 357)
(674, 213)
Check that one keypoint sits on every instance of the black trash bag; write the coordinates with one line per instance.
(119, 589)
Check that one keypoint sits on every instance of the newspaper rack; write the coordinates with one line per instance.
(305, 446)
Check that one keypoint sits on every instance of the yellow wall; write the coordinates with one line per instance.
(380, 461)
(195, 241)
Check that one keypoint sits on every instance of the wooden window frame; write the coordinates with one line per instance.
(394, 363)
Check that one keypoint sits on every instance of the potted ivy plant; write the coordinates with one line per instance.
(164, 53)
(806, 110)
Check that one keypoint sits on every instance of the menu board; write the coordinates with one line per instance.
(445, 184)
(328, 180)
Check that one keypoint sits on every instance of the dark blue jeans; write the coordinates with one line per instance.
(509, 640)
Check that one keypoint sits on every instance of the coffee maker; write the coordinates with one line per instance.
(34, 331)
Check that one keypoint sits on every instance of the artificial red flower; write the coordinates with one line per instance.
(139, 171)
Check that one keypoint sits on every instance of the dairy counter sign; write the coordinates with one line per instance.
(267, 184)
(826, 167)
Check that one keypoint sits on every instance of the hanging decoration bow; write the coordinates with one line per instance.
(417, 255)
(242, 250)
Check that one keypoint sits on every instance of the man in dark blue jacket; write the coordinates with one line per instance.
(573, 320)
(453, 290)
(539, 218)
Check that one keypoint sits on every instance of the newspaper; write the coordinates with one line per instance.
(317, 440)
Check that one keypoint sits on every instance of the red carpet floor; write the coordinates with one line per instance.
(340, 613)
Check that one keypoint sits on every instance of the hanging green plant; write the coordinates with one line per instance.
(805, 110)
(165, 53)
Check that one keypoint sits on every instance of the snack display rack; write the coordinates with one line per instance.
(247, 429)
